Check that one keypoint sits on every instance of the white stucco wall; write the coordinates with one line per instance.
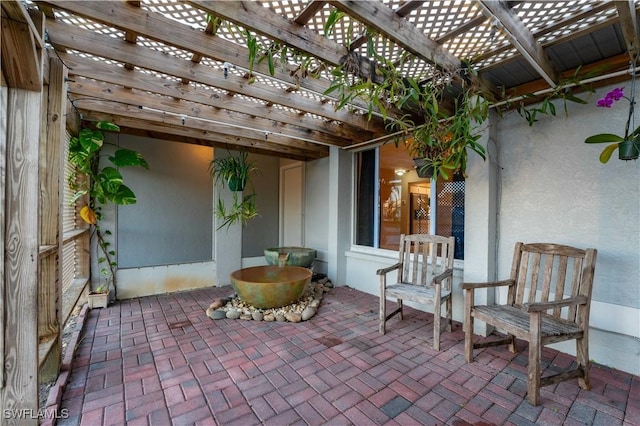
(545, 184)
(553, 188)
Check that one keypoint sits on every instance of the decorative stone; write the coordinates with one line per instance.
(293, 317)
(308, 313)
(233, 314)
(217, 303)
(233, 307)
(217, 314)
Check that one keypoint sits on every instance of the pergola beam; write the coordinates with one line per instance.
(110, 48)
(157, 27)
(133, 116)
(300, 125)
(629, 25)
(519, 35)
(234, 125)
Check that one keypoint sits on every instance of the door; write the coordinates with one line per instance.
(292, 205)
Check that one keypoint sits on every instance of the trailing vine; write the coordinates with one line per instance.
(102, 184)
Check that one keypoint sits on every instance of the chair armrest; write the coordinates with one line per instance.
(439, 278)
(544, 306)
(472, 286)
(383, 271)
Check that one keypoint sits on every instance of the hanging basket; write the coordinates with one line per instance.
(422, 168)
(629, 150)
(236, 184)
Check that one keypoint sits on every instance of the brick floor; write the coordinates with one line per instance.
(160, 361)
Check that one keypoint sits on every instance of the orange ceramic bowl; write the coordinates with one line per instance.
(271, 286)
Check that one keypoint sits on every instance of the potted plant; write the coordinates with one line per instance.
(99, 298)
(628, 145)
(440, 116)
(99, 183)
(234, 172)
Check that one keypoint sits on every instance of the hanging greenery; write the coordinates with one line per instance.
(103, 183)
(235, 172)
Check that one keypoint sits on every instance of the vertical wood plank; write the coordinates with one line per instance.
(51, 181)
(21, 254)
(3, 176)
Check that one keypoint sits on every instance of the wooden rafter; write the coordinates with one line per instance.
(325, 132)
(557, 25)
(170, 124)
(285, 135)
(515, 30)
(384, 20)
(110, 48)
(629, 25)
(22, 43)
(158, 27)
(309, 12)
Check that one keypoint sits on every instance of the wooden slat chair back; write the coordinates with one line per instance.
(424, 275)
(548, 301)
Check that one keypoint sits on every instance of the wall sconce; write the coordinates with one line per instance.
(400, 172)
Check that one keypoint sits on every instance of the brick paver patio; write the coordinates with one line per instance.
(160, 361)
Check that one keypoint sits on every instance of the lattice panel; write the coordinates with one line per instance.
(437, 19)
(161, 47)
(87, 24)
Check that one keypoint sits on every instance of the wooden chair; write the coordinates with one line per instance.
(425, 274)
(548, 301)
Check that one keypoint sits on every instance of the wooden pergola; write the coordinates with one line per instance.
(181, 71)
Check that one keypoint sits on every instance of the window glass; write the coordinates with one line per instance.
(392, 199)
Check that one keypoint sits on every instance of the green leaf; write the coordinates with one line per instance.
(124, 196)
(91, 140)
(603, 138)
(270, 61)
(605, 155)
(107, 125)
(575, 99)
(110, 175)
(126, 157)
(333, 18)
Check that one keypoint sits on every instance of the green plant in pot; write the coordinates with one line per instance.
(235, 171)
(628, 145)
(439, 117)
(440, 145)
(99, 183)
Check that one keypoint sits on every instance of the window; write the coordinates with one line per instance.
(391, 199)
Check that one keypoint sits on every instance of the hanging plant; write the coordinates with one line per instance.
(102, 184)
(235, 172)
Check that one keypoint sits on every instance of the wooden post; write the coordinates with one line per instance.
(3, 176)
(20, 391)
(51, 181)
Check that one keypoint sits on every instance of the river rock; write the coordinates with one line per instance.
(233, 314)
(308, 313)
(217, 303)
(293, 317)
(257, 316)
(269, 317)
(280, 317)
(216, 314)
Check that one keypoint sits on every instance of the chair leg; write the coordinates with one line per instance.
(535, 356)
(468, 327)
(400, 308)
(512, 344)
(582, 358)
(383, 314)
(449, 308)
(436, 325)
